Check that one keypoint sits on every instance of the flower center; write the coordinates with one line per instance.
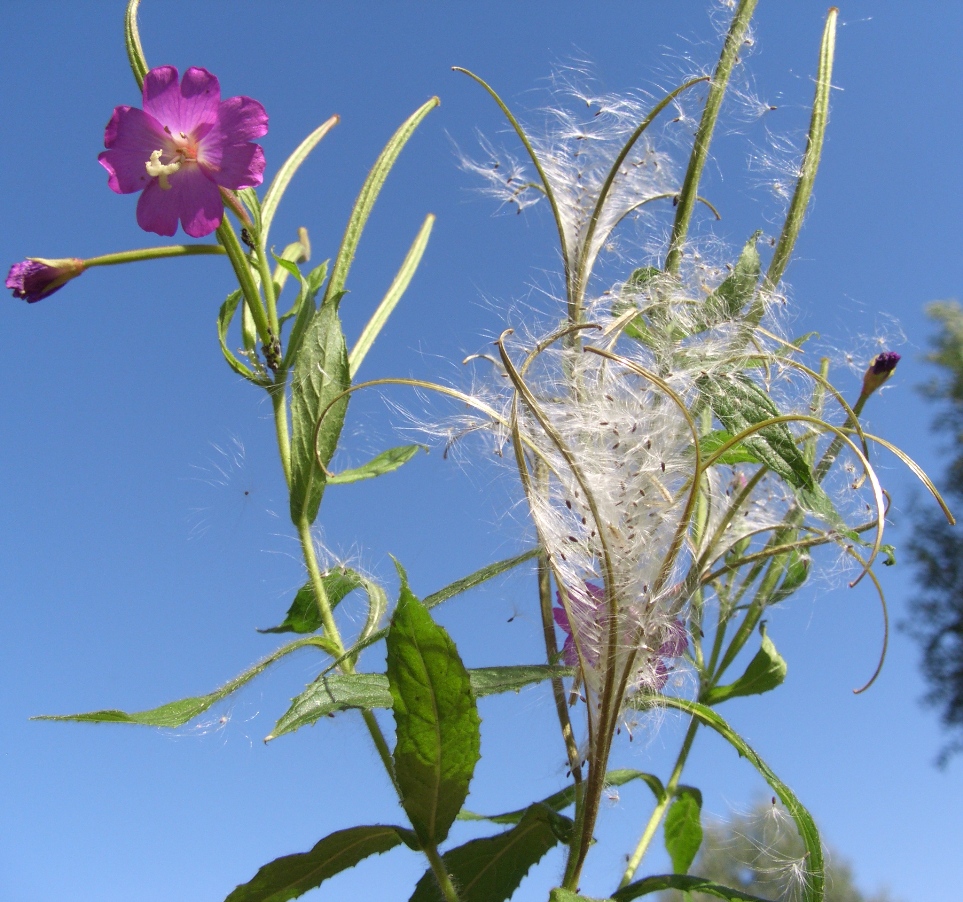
(160, 171)
(185, 151)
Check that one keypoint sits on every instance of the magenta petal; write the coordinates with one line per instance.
(569, 654)
(189, 108)
(242, 119)
(676, 640)
(192, 198)
(561, 619)
(240, 167)
(131, 137)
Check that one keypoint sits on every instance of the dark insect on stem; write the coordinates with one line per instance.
(247, 239)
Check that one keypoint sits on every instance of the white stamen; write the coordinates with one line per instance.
(160, 171)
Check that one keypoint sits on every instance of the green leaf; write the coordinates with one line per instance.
(224, 318)
(796, 569)
(566, 895)
(249, 198)
(436, 719)
(385, 462)
(736, 290)
(565, 797)
(813, 885)
(279, 183)
(737, 454)
(369, 194)
(490, 869)
(303, 616)
(741, 404)
(684, 883)
(176, 714)
(395, 291)
(766, 671)
(450, 591)
(683, 828)
(135, 53)
(304, 310)
(320, 376)
(341, 691)
(293, 875)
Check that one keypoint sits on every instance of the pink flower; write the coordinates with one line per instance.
(590, 616)
(182, 148)
(36, 278)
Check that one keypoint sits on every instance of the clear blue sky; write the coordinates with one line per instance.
(134, 574)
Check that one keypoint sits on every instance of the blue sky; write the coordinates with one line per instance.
(144, 527)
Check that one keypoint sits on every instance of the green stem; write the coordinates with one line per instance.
(317, 583)
(703, 137)
(242, 269)
(659, 812)
(267, 284)
(279, 400)
(154, 253)
(441, 874)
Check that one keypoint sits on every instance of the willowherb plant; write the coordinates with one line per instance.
(671, 444)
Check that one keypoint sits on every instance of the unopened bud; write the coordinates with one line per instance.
(879, 371)
(36, 278)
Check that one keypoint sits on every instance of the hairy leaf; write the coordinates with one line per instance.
(683, 828)
(320, 376)
(490, 869)
(565, 797)
(766, 671)
(686, 884)
(303, 616)
(340, 691)
(814, 885)
(176, 714)
(293, 875)
(436, 719)
(385, 462)
(740, 404)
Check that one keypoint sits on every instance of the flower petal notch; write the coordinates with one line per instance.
(36, 278)
(182, 149)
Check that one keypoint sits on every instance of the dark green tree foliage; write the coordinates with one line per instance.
(761, 854)
(936, 613)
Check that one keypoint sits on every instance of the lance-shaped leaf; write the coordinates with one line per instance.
(740, 404)
(436, 719)
(385, 462)
(340, 691)
(303, 310)
(368, 195)
(737, 454)
(293, 875)
(135, 52)
(796, 569)
(176, 714)
(684, 883)
(683, 828)
(490, 869)
(224, 318)
(737, 289)
(279, 183)
(766, 671)
(560, 894)
(565, 797)
(303, 616)
(320, 376)
(489, 571)
(813, 886)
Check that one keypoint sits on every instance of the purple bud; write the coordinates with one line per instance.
(879, 370)
(36, 278)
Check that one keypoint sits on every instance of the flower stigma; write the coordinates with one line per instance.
(162, 171)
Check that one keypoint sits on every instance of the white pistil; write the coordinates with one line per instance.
(160, 171)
